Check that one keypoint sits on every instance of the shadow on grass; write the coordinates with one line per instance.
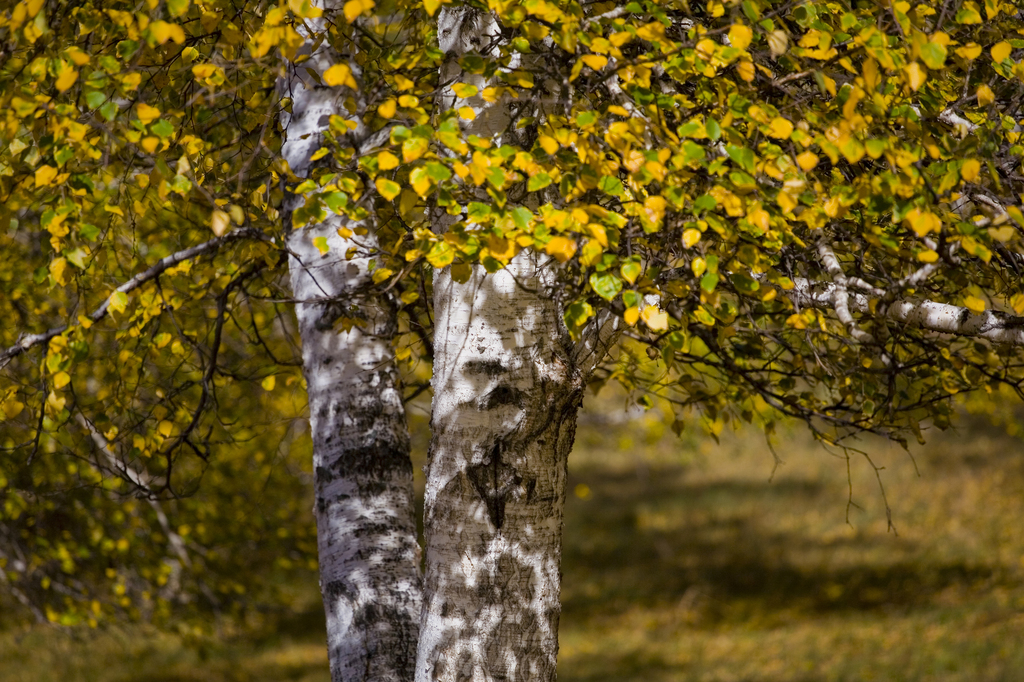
(666, 564)
(727, 555)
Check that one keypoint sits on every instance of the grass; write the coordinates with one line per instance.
(686, 560)
(702, 567)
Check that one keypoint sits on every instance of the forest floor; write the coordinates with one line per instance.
(689, 560)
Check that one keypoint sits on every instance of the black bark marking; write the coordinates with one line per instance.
(375, 462)
(495, 481)
(501, 395)
(491, 368)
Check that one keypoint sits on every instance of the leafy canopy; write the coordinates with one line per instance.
(758, 190)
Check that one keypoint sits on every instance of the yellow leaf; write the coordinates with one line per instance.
(548, 144)
(778, 42)
(759, 218)
(340, 74)
(780, 128)
(631, 315)
(149, 144)
(928, 256)
(61, 379)
(431, 6)
(969, 171)
(387, 110)
(745, 70)
(740, 36)
(916, 76)
(162, 31)
(66, 79)
(220, 222)
(502, 249)
(595, 61)
(923, 222)
(561, 248)
(57, 269)
(414, 148)
(118, 301)
(691, 237)
(204, 71)
(1001, 51)
(146, 113)
(969, 51)
(45, 175)
(467, 113)
(464, 90)
(389, 190)
(165, 428)
(353, 8)
(974, 304)
(269, 383)
(386, 161)
(656, 319)
(870, 71)
(807, 160)
(12, 408)
(985, 96)
(304, 9)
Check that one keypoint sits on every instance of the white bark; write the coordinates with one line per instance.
(366, 531)
(928, 315)
(506, 396)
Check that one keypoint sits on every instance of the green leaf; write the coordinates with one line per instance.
(477, 212)
(705, 202)
(606, 285)
(336, 201)
(611, 185)
(742, 156)
(538, 182)
(709, 281)
(162, 128)
(968, 14)
(496, 176)
(577, 314)
(95, 99)
(714, 130)
(522, 217)
(175, 8)
(438, 172)
(109, 111)
(586, 118)
(933, 55)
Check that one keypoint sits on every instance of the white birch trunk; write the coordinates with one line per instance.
(366, 531)
(506, 396)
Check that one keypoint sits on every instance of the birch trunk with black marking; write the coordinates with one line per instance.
(506, 396)
(508, 382)
(366, 531)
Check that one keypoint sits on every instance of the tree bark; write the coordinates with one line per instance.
(366, 531)
(506, 396)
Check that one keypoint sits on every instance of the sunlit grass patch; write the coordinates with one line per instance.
(691, 562)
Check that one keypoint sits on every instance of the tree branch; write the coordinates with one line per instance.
(27, 342)
(928, 315)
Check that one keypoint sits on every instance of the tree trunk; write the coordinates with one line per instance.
(366, 530)
(506, 396)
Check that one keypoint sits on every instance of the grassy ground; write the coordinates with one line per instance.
(683, 561)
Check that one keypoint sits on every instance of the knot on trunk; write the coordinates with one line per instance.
(495, 482)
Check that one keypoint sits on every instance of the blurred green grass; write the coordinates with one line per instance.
(687, 560)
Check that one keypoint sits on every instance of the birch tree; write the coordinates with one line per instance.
(754, 210)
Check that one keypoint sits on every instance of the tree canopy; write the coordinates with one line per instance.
(805, 209)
